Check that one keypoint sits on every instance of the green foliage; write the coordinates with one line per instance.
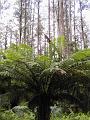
(44, 78)
(44, 61)
(81, 55)
(56, 48)
(72, 116)
(21, 52)
(60, 43)
(18, 65)
(9, 115)
(79, 61)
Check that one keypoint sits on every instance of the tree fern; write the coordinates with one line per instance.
(45, 79)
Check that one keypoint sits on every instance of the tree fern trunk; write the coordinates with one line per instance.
(43, 112)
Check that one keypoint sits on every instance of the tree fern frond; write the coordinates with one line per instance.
(81, 55)
(66, 96)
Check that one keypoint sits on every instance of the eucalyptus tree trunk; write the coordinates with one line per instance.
(38, 35)
(45, 47)
(54, 23)
(75, 26)
(49, 19)
(70, 46)
(82, 26)
(6, 38)
(29, 28)
(16, 37)
(32, 26)
(60, 18)
(70, 20)
(53, 18)
(60, 24)
(11, 32)
(20, 22)
(67, 31)
(25, 22)
(49, 28)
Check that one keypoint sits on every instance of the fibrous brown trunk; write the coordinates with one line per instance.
(43, 112)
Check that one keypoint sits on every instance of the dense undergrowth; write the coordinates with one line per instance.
(9, 115)
(42, 83)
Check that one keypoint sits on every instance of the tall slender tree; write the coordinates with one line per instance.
(82, 6)
(49, 23)
(25, 22)
(20, 22)
(38, 35)
(53, 18)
